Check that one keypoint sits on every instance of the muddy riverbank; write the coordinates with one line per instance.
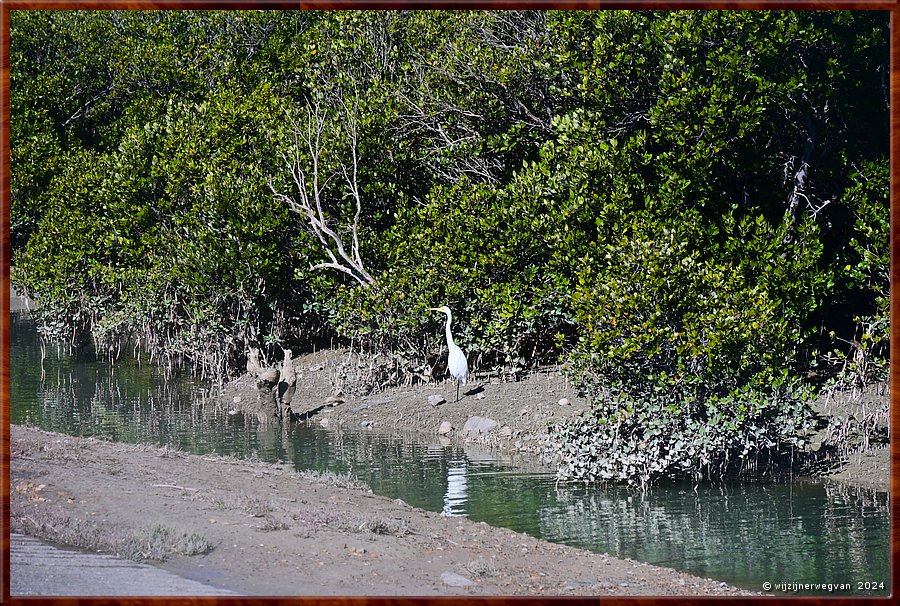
(515, 416)
(266, 529)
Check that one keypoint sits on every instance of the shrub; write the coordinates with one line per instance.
(687, 358)
(484, 254)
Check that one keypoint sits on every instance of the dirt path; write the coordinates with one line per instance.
(274, 531)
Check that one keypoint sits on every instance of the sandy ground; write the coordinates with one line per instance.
(275, 531)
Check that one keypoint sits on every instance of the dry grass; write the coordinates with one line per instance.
(338, 480)
(74, 532)
(152, 543)
(158, 542)
(311, 519)
(397, 528)
(254, 506)
(271, 523)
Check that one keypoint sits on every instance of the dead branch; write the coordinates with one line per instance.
(313, 187)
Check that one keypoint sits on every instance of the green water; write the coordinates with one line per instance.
(745, 534)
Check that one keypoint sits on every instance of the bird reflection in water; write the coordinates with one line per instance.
(457, 494)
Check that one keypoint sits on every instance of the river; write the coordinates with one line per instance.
(805, 535)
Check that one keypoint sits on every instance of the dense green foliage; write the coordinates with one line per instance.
(688, 208)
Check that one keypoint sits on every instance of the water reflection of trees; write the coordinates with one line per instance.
(124, 401)
(743, 533)
(854, 515)
(120, 406)
(424, 474)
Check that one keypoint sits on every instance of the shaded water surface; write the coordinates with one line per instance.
(746, 534)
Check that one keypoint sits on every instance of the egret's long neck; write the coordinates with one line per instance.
(450, 342)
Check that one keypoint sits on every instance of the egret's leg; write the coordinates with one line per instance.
(457, 391)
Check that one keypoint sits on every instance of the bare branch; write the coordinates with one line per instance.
(313, 189)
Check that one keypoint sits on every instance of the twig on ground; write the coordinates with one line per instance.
(176, 487)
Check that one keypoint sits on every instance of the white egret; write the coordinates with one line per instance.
(456, 361)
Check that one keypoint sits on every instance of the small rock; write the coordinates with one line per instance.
(233, 412)
(479, 396)
(564, 401)
(236, 399)
(365, 424)
(479, 425)
(323, 422)
(455, 580)
(506, 431)
(523, 412)
(334, 400)
(445, 428)
(436, 400)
